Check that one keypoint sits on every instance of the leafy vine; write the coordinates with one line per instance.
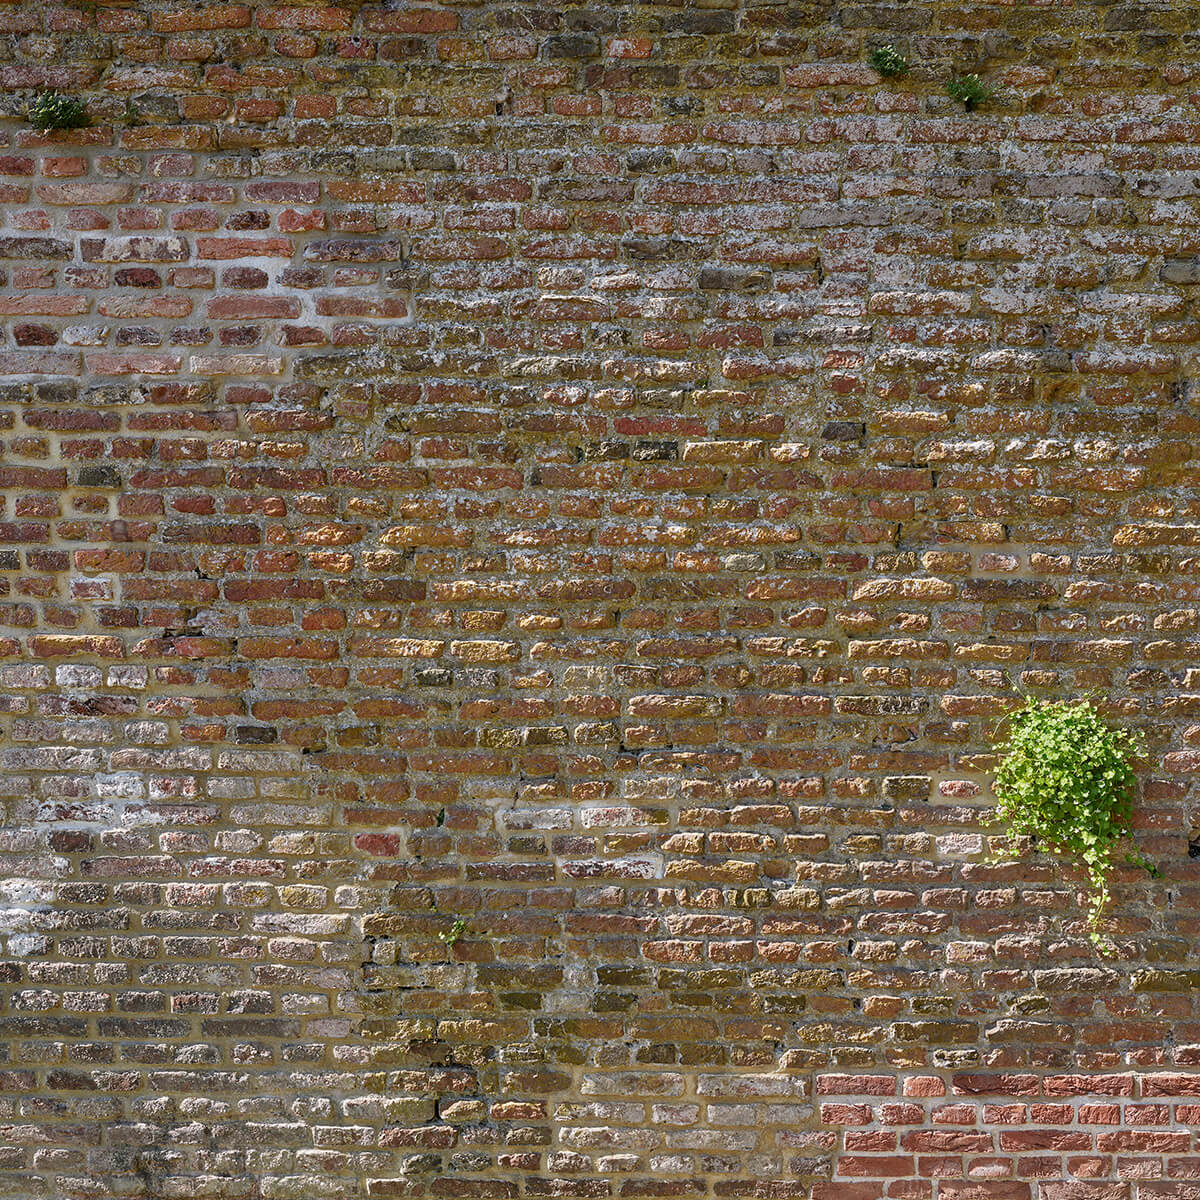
(1067, 780)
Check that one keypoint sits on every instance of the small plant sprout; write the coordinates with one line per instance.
(1066, 779)
(888, 61)
(970, 90)
(52, 110)
(454, 933)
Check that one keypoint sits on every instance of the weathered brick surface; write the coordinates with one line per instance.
(598, 473)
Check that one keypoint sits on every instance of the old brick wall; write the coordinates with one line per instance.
(596, 473)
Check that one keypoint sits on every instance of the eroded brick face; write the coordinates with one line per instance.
(596, 473)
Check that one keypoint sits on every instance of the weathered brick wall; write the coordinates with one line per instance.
(598, 473)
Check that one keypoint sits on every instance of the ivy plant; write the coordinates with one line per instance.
(52, 110)
(1066, 780)
(888, 61)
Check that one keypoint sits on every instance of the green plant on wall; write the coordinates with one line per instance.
(52, 110)
(1066, 779)
(451, 936)
(969, 90)
(888, 61)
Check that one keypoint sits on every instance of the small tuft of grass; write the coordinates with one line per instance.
(969, 90)
(888, 61)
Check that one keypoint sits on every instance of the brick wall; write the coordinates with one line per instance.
(595, 473)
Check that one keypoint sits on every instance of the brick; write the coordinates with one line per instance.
(236, 248)
(302, 18)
